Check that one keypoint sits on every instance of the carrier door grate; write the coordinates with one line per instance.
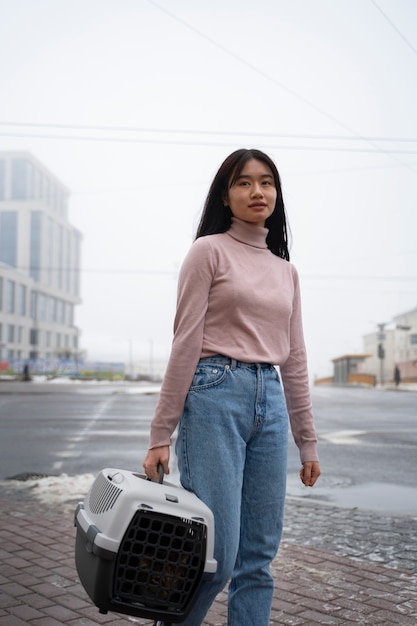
(160, 561)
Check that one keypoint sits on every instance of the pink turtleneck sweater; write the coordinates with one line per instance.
(238, 299)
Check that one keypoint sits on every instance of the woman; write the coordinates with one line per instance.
(238, 315)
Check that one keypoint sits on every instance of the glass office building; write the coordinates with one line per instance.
(39, 263)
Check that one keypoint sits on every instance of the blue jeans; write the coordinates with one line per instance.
(232, 453)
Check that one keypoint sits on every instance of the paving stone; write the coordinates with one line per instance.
(357, 567)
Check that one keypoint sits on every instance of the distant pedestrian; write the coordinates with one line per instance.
(238, 315)
(397, 375)
(26, 373)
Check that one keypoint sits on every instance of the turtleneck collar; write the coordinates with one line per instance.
(248, 233)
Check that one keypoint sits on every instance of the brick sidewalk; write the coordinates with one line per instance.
(39, 583)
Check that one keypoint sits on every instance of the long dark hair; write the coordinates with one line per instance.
(217, 218)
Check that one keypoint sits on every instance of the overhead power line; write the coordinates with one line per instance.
(391, 23)
(144, 140)
(276, 82)
(221, 133)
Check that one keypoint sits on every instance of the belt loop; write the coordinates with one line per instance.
(233, 364)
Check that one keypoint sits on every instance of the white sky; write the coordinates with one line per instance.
(202, 79)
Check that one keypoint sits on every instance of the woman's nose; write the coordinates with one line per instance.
(257, 190)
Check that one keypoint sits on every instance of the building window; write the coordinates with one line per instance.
(34, 337)
(10, 296)
(413, 338)
(20, 179)
(52, 309)
(37, 184)
(60, 256)
(42, 307)
(58, 340)
(76, 247)
(10, 333)
(69, 314)
(54, 194)
(60, 312)
(19, 334)
(8, 237)
(48, 339)
(2, 179)
(21, 300)
(67, 279)
(35, 244)
(49, 250)
(1, 293)
(33, 305)
(46, 191)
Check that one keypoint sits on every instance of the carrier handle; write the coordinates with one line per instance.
(160, 469)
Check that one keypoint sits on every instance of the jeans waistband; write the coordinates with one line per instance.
(220, 359)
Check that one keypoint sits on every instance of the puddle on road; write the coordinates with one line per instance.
(372, 496)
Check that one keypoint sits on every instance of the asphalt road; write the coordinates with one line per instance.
(367, 447)
(367, 439)
(65, 430)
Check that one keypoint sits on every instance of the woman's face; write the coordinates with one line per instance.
(252, 196)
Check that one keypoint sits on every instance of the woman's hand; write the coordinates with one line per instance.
(155, 457)
(309, 473)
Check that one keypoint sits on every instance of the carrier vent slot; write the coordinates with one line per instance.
(103, 495)
(160, 561)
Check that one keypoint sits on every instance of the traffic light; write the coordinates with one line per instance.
(381, 351)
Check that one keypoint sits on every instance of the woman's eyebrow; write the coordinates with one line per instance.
(249, 176)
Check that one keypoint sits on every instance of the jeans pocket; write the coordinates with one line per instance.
(276, 373)
(207, 375)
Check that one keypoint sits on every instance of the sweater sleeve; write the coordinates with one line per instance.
(294, 375)
(194, 284)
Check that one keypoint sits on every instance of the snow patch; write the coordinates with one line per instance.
(55, 489)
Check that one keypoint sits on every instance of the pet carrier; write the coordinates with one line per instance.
(142, 548)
